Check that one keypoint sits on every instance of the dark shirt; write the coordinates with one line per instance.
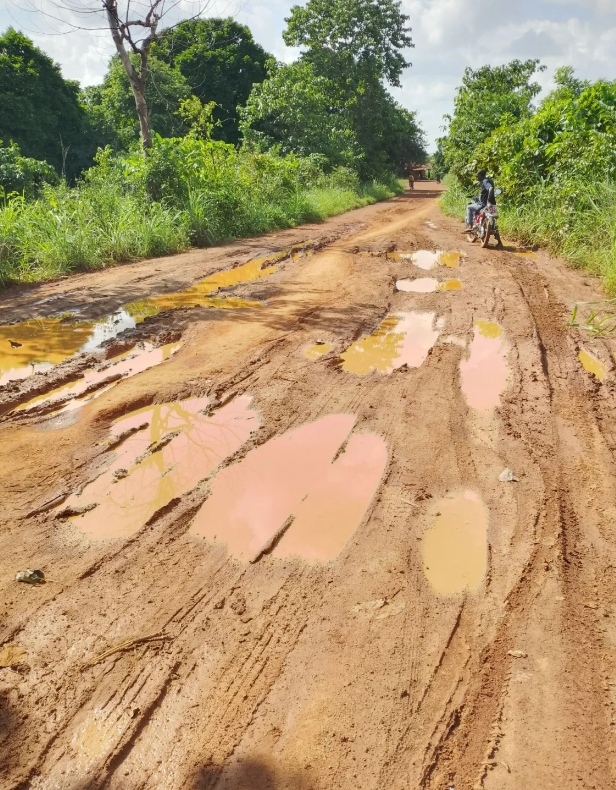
(486, 185)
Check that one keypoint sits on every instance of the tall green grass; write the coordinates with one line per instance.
(577, 222)
(188, 193)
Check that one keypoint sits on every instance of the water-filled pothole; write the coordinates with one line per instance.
(318, 350)
(94, 383)
(455, 545)
(400, 339)
(424, 285)
(591, 364)
(427, 259)
(37, 344)
(169, 448)
(484, 374)
(289, 496)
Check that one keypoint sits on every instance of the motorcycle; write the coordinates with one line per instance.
(485, 225)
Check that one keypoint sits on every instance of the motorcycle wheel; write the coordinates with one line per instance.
(487, 226)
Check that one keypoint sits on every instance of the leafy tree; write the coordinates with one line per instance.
(41, 111)
(112, 108)
(301, 112)
(21, 174)
(220, 61)
(486, 97)
(361, 36)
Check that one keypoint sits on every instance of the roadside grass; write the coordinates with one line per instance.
(578, 223)
(101, 222)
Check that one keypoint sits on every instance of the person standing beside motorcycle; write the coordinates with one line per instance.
(474, 208)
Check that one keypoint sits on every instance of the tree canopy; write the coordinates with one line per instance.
(486, 97)
(220, 62)
(41, 111)
(112, 106)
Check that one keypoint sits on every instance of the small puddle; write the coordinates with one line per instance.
(172, 447)
(526, 254)
(455, 545)
(36, 345)
(425, 285)
(400, 339)
(318, 350)
(426, 259)
(295, 476)
(592, 365)
(96, 382)
(484, 374)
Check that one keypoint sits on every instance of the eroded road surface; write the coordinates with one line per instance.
(262, 481)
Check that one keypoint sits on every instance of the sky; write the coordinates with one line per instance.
(448, 36)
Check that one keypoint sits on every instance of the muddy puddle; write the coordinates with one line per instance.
(455, 545)
(96, 382)
(293, 496)
(169, 448)
(318, 350)
(427, 259)
(400, 339)
(591, 364)
(38, 344)
(424, 285)
(484, 374)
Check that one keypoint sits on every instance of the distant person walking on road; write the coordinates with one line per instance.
(411, 181)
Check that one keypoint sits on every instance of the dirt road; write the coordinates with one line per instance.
(263, 483)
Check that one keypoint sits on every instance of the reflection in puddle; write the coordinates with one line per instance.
(35, 345)
(173, 447)
(318, 350)
(592, 365)
(426, 259)
(295, 476)
(96, 382)
(526, 254)
(455, 546)
(484, 374)
(400, 339)
(425, 285)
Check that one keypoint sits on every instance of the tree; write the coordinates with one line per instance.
(486, 96)
(41, 111)
(220, 61)
(112, 109)
(301, 112)
(360, 36)
(21, 174)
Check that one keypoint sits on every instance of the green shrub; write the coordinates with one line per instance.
(21, 174)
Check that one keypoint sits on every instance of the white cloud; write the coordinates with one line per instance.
(448, 34)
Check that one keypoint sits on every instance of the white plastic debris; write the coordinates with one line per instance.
(507, 476)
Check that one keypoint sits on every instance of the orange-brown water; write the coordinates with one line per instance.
(400, 339)
(292, 476)
(455, 545)
(427, 259)
(174, 447)
(318, 350)
(591, 364)
(484, 374)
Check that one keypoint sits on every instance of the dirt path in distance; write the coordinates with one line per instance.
(263, 482)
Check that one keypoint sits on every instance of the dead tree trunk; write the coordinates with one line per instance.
(137, 76)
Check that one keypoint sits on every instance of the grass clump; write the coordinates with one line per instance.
(188, 192)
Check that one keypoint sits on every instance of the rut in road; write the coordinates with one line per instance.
(280, 553)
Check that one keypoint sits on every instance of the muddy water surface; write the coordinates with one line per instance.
(96, 382)
(426, 259)
(36, 345)
(484, 374)
(294, 478)
(424, 285)
(318, 350)
(400, 339)
(455, 546)
(592, 365)
(174, 446)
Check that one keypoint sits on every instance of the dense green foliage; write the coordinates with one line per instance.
(209, 192)
(21, 174)
(557, 168)
(333, 100)
(220, 62)
(112, 107)
(40, 110)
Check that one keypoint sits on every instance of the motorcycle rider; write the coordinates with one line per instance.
(474, 208)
